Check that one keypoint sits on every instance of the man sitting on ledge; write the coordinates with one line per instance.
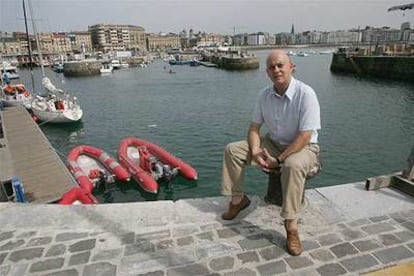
(290, 110)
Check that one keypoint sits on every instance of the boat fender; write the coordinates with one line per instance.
(35, 118)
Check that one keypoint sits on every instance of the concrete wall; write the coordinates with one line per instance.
(234, 63)
(390, 67)
(81, 68)
(239, 63)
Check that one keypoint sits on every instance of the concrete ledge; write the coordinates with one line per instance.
(353, 201)
(325, 206)
(344, 229)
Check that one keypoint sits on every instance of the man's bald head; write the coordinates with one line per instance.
(279, 68)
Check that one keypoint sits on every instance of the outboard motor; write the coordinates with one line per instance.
(169, 173)
(105, 179)
(157, 170)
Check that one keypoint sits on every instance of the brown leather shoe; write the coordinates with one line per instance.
(234, 209)
(293, 245)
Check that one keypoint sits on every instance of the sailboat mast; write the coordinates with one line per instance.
(37, 38)
(29, 46)
(3, 71)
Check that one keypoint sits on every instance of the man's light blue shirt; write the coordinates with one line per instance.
(297, 110)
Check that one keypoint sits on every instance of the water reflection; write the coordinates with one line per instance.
(64, 137)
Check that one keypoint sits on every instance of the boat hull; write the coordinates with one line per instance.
(14, 95)
(106, 71)
(46, 111)
(128, 156)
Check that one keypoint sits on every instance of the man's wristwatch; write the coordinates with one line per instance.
(278, 160)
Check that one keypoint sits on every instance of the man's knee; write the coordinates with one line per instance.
(292, 166)
(228, 149)
(239, 149)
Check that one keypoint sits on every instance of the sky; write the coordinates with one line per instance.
(210, 16)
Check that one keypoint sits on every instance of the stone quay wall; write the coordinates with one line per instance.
(234, 62)
(81, 68)
(389, 67)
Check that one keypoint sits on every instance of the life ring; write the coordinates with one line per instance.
(26, 94)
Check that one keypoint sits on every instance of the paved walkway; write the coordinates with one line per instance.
(345, 231)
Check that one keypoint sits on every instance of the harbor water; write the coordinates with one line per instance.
(367, 124)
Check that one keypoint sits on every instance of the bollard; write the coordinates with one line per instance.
(18, 190)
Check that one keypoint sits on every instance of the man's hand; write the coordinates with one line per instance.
(270, 162)
(265, 161)
(259, 157)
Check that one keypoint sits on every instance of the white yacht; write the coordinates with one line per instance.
(9, 70)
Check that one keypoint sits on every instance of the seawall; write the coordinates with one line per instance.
(234, 62)
(389, 67)
(81, 68)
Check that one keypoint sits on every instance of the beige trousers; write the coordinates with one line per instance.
(295, 168)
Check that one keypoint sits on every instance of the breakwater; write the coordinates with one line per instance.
(233, 61)
(92, 67)
(389, 67)
(81, 68)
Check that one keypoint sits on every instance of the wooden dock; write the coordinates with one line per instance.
(26, 152)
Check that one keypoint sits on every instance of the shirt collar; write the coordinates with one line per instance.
(290, 91)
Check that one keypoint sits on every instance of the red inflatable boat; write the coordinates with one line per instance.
(89, 166)
(78, 195)
(148, 163)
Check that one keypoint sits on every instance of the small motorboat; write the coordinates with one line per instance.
(58, 68)
(8, 71)
(16, 94)
(92, 166)
(148, 163)
(106, 68)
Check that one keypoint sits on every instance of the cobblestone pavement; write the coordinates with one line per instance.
(187, 237)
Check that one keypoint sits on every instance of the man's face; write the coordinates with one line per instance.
(279, 68)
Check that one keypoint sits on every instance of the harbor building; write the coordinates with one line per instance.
(80, 42)
(113, 37)
(162, 41)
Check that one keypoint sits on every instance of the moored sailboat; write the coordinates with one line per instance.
(57, 106)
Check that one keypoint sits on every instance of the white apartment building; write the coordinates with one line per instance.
(113, 37)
